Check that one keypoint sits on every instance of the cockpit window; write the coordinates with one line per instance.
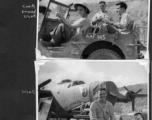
(73, 83)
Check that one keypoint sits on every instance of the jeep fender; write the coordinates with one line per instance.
(102, 45)
(143, 114)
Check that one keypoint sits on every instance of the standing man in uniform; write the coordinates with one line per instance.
(101, 109)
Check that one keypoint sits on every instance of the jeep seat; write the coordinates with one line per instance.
(90, 29)
(95, 30)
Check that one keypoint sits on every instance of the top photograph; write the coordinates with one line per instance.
(94, 29)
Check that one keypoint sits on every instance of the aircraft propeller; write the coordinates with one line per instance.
(41, 92)
(44, 83)
(133, 95)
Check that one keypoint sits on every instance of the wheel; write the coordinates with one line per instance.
(139, 117)
(104, 54)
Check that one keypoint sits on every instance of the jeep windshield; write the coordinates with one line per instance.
(53, 7)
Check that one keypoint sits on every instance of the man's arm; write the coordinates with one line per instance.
(95, 19)
(93, 115)
(112, 113)
(71, 25)
(111, 19)
(123, 23)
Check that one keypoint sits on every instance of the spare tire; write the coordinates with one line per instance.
(104, 54)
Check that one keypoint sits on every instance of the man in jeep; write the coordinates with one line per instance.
(124, 21)
(98, 18)
(102, 14)
(64, 31)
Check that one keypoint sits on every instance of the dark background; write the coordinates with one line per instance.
(17, 56)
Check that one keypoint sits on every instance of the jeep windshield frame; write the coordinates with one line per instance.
(49, 12)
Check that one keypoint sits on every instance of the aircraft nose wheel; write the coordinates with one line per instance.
(139, 117)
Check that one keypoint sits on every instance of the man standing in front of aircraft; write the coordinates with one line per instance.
(101, 109)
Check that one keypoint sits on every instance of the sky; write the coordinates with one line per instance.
(120, 72)
(45, 2)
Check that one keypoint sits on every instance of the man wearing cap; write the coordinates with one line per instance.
(101, 109)
(62, 33)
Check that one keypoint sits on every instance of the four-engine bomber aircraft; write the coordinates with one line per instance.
(64, 100)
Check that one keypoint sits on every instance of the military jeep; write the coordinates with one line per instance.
(94, 44)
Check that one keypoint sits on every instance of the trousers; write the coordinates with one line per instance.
(61, 34)
(111, 29)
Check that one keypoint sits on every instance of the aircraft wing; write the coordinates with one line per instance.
(113, 90)
(113, 94)
(141, 95)
(117, 94)
(110, 86)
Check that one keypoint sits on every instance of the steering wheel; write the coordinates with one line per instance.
(100, 20)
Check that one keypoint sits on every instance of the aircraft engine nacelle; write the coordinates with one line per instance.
(71, 97)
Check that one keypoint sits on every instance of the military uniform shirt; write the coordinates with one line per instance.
(124, 21)
(101, 15)
(98, 113)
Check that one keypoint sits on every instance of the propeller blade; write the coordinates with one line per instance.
(70, 4)
(126, 89)
(133, 104)
(138, 91)
(141, 95)
(44, 83)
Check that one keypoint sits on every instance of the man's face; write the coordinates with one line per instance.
(119, 10)
(102, 6)
(81, 10)
(102, 94)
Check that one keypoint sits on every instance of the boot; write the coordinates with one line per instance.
(47, 43)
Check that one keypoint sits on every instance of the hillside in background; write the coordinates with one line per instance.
(138, 9)
(140, 103)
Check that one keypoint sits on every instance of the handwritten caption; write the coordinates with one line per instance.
(25, 91)
(29, 11)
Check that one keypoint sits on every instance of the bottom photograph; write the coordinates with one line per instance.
(92, 90)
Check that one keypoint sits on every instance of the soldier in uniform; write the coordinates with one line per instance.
(124, 21)
(101, 109)
(63, 32)
(102, 14)
(100, 18)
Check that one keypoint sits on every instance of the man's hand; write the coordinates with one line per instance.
(99, 20)
(58, 14)
(106, 21)
(96, 21)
